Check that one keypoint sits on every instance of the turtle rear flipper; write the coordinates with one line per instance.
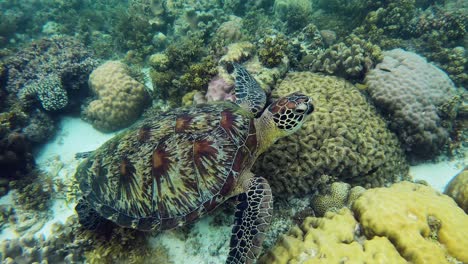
(83, 155)
(252, 218)
(249, 94)
(90, 219)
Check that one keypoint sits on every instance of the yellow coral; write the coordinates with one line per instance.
(330, 240)
(404, 223)
(338, 195)
(120, 98)
(458, 190)
(406, 213)
(187, 99)
(237, 52)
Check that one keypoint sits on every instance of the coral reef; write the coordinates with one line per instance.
(334, 197)
(350, 59)
(62, 247)
(295, 14)
(16, 159)
(182, 63)
(227, 33)
(404, 223)
(198, 75)
(238, 52)
(34, 193)
(49, 68)
(219, 89)
(272, 49)
(124, 246)
(344, 140)
(49, 91)
(120, 99)
(419, 99)
(454, 62)
(458, 189)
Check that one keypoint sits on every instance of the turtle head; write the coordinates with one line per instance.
(289, 112)
(284, 117)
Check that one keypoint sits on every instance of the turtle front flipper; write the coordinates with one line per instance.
(249, 94)
(252, 218)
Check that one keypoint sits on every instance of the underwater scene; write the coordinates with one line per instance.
(233, 131)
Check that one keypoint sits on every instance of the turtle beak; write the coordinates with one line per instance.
(310, 107)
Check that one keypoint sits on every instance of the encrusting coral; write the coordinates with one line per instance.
(404, 223)
(419, 98)
(458, 189)
(344, 140)
(120, 99)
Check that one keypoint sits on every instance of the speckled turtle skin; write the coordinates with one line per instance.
(172, 168)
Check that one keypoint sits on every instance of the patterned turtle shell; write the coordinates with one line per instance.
(172, 168)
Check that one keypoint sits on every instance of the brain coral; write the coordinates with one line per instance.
(120, 99)
(343, 140)
(458, 189)
(404, 223)
(419, 98)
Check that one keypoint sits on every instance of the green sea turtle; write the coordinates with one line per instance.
(171, 169)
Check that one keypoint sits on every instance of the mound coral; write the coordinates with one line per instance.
(350, 59)
(458, 190)
(120, 99)
(335, 197)
(404, 223)
(419, 98)
(344, 140)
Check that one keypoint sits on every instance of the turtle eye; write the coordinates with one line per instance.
(300, 109)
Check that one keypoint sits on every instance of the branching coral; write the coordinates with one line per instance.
(272, 50)
(294, 13)
(344, 139)
(350, 59)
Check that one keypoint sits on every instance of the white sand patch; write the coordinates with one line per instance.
(204, 244)
(74, 136)
(57, 157)
(438, 175)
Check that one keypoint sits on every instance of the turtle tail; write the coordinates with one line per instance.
(252, 218)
